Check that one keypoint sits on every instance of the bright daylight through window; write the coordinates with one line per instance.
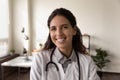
(4, 27)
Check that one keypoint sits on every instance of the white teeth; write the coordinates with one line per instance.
(60, 40)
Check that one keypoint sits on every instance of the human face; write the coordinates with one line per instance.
(61, 32)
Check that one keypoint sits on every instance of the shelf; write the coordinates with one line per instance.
(86, 41)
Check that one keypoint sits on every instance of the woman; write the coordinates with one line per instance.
(64, 56)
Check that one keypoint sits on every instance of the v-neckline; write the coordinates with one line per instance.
(56, 57)
(63, 74)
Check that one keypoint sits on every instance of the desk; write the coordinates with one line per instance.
(4, 59)
(20, 62)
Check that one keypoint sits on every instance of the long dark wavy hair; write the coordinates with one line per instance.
(77, 39)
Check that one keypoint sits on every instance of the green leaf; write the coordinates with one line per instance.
(100, 58)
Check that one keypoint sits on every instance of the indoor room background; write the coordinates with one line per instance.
(98, 18)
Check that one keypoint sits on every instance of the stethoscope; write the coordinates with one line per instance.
(51, 62)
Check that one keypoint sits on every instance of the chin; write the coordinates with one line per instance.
(61, 46)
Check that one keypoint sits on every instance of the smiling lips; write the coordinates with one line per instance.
(61, 40)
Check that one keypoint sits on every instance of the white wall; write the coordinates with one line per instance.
(4, 28)
(19, 17)
(111, 32)
(99, 18)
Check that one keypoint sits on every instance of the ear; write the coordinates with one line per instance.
(74, 30)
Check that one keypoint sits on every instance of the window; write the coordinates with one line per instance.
(4, 27)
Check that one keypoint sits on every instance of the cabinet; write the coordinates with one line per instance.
(6, 58)
(86, 41)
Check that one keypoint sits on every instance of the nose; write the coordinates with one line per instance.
(59, 32)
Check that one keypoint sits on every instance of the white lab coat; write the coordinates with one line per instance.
(87, 67)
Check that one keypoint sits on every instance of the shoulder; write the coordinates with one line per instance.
(87, 62)
(85, 58)
(42, 52)
(41, 55)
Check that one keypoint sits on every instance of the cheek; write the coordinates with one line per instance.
(69, 35)
(74, 32)
(51, 36)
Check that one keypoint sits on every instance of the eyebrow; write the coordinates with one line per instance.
(60, 25)
(64, 24)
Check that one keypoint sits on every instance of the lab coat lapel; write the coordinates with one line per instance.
(71, 72)
(56, 56)
(52, 74)
(62, 74)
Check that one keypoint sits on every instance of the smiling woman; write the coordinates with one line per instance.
(4, 27)
(63, 57)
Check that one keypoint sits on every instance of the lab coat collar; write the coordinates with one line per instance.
(61, 58)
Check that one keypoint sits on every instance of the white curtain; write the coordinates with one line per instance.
(4, 27)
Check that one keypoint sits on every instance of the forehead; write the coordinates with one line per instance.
(57, 20)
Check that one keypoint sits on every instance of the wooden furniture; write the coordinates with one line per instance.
(86, 41)
(18, 62)
(6, 58)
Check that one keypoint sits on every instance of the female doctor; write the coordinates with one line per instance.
(64, 56)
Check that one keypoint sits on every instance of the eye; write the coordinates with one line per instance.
(52, 28)
(65, 26)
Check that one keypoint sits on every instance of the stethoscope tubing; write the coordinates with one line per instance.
(51, 62)
(78, 63)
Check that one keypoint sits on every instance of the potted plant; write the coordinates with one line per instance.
(41, 45)
(12, 51)
(100, 59)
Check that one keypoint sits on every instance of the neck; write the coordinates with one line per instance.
(66, 52)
